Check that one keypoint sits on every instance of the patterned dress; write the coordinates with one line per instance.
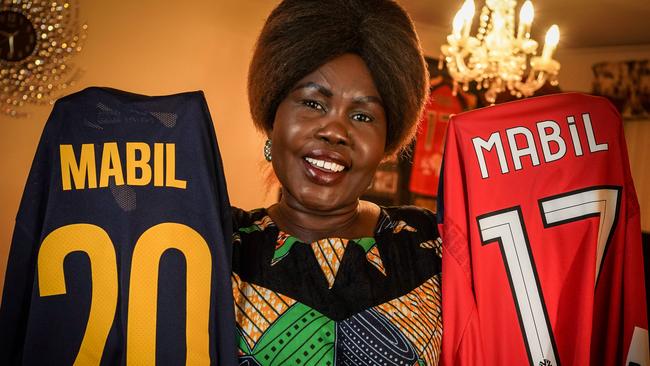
(366, 301)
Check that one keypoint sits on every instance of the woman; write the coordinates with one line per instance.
(322, 277)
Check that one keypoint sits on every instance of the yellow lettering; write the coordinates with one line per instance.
(143, 297)
(96, 243)
(133, 164)
(111, 165)
(139, 168)
(170, 168)
(158, 157)
(85, 168)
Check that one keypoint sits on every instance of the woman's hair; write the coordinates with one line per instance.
(301, 35)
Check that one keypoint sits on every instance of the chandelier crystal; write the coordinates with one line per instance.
(497, 58)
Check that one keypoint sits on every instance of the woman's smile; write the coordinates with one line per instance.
(325, 167)
(328, 166)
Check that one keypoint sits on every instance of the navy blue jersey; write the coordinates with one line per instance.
(121, 251)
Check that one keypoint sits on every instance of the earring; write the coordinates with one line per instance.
(267, 150)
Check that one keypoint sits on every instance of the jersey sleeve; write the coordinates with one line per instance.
(634, 323)
(461, 336)
(620, 335)
(16, 296)
(635, 315)
(19, 275)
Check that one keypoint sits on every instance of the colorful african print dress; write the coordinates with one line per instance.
(368, 301)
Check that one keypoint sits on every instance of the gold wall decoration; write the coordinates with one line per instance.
(37, 41)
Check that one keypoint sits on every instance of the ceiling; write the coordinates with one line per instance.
(583, 23)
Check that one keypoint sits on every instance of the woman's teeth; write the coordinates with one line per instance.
(327, 165)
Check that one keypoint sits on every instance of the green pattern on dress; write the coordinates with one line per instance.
(243, 346)
(285, 242)
(283, 248)
(300, 336)
(366, 243)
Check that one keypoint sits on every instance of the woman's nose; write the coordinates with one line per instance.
(334, 130)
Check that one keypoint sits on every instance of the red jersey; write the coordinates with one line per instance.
(542, 259)
(441, 105)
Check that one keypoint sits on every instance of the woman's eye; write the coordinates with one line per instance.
(313, 104)
(360, 117)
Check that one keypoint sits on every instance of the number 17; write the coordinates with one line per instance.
(507, 228)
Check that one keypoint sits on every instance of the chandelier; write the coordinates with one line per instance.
(497, 58)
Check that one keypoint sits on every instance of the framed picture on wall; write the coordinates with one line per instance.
(390, 183)
(626, 84)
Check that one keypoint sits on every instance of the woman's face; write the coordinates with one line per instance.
(329, 136)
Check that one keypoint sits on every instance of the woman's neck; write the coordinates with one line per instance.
(352, 221)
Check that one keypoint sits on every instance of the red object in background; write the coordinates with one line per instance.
(431, 139)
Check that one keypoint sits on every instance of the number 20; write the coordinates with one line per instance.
(507, 228)
(143, 287)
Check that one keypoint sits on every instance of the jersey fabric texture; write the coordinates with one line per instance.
(365, 301)
(543, 262)
(119, 251)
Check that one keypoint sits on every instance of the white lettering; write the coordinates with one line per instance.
(553, 144)
(518, 153)
(493, 141)
(554, 136)
(574, 135)
(593, 146)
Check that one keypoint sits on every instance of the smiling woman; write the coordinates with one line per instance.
(328, 138)
(322, 277)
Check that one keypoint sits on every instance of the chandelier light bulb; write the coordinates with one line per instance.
(550, 41)
(457, 25)
(527, 13)
(553, 35)
(468, 10)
